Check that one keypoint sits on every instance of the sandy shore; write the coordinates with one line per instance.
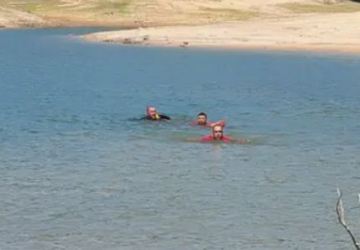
(330, 32)
(235, 24)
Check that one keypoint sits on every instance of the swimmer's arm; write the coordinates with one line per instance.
(144, 118)
(165, 117)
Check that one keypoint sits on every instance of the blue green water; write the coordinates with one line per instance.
(78, 171)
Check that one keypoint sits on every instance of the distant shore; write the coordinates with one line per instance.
(313, 33)
(228, 24)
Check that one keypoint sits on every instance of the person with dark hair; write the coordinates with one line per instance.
(153, 115)
(201, 119)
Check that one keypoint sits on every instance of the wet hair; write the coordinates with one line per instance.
(202, 113)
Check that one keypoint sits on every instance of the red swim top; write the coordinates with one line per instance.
(210, 138)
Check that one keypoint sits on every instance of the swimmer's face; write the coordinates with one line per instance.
(152, 112)
(217, 132)
(201, 120)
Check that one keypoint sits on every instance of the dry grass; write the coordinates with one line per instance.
(70, 12)
(345, 7)
(118, 12)
(118, 7)
(31, 6)
(226, 14)
(44, 7)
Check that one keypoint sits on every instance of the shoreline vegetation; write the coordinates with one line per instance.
(319, 25)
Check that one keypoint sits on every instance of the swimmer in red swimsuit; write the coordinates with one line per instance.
(217, 135)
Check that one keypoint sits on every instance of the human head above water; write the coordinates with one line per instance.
(152, 112)
(201, 119)
(217, 132)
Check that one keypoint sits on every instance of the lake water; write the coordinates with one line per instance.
(79, 171)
